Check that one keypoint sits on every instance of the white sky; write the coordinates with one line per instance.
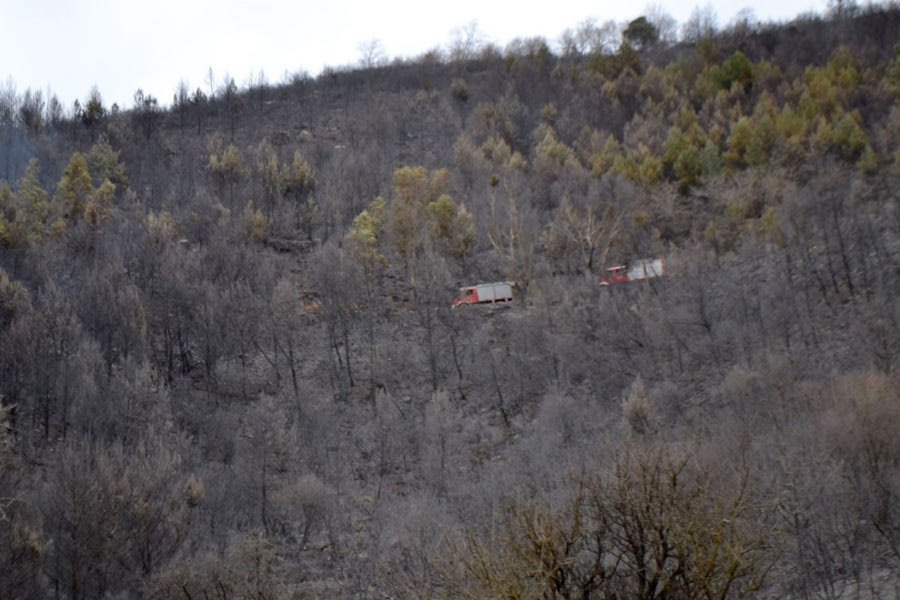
(120, 45)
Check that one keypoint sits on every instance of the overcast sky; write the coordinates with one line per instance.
(120, 45)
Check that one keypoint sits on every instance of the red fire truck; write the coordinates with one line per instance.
(639, 270)
(485, 293)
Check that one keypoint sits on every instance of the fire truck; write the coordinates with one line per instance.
(485, 293)
(639, 270)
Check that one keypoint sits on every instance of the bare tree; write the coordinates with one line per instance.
(702, 24)
(465, 42)
(371, 54)
(653, 529)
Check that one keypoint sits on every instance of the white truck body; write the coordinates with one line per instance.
(647, 268)
(492, 292)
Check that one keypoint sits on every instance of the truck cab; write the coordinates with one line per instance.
(467, 295)
(614, 275)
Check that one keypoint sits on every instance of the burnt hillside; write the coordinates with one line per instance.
(229, 366)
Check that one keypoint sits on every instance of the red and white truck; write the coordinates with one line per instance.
(485, 293)
(639, 270)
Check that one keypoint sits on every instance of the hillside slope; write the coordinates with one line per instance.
(229, 365)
